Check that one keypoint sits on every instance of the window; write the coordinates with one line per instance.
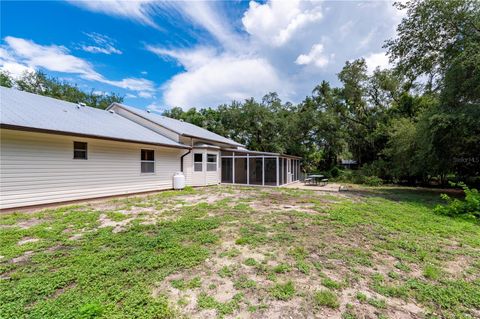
(211, 162)
(147, 161)
(198, 162)
(79, 150)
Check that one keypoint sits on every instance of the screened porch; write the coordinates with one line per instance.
(258, 168)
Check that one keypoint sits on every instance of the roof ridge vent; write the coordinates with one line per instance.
(82, 104)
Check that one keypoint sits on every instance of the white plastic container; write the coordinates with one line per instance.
(178, 180)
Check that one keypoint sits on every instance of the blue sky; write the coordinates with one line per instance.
(160, 54)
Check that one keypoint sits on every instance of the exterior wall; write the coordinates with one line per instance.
(139, 120)
(204, 177)
(38, 168)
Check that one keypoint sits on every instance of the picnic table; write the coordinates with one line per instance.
(314, 179)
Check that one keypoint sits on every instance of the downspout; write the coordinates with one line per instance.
(181, 159)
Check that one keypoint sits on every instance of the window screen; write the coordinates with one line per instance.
(211, 162)
(79, 150)
(147, 160)
(198, 162)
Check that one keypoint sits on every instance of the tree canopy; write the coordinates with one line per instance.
(39, 83)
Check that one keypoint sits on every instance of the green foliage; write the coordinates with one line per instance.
(250, 262)
(223, 308)
(225, 272)
(373, 181)
(326, 298)
(244, 283)
(361, 297)
(87, 278)
(470, 206)
(281, 268)
(283, 291)
(39, 83)
(330, 283)
(91, 310)
(377, 303)
(431, 272)
(181, 284)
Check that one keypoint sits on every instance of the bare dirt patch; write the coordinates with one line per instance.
(27, 240)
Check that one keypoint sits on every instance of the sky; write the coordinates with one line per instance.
(162, 54)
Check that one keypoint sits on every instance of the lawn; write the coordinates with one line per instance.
(242, 252)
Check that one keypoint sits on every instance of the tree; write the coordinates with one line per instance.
(40, 83)
(5, 79)
(441, 40)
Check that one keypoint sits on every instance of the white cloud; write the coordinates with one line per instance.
(206, 15)
(137, 10)
(145, 94)
(103, 44)
(315, 57)
(260, 52)
(188, 58)
(52, 57)
(20, 53)
(10, 65)
(276, 21)
(375, 60)
(365, 41)
(212, 80)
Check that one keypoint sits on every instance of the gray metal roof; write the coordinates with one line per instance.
(29, 111)
(180, 127)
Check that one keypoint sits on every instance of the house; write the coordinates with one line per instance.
(56, 151)
(348, 163)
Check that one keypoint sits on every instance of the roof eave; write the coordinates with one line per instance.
(47, 131)
(177, 132)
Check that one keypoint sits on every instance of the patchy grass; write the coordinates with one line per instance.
(237, 252)
(326, 298)
(283, 291)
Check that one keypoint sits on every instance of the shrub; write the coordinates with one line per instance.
(373, 181)
(334, 172)
(470, 206)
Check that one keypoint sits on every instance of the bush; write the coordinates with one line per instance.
(373, 181)
(470, 206)
(334, 172)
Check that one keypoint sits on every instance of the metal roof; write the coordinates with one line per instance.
(236, 150)
(27, 111)
(179, 127)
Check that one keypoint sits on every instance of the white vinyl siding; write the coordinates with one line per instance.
(38, 168)
(204, 177)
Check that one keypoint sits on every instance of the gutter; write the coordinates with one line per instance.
(181, 159)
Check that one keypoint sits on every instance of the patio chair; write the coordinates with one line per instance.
(324, 182)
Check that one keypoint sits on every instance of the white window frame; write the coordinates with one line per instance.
(80, 150)
(212, 164)
(194, 162)
(147, 161)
